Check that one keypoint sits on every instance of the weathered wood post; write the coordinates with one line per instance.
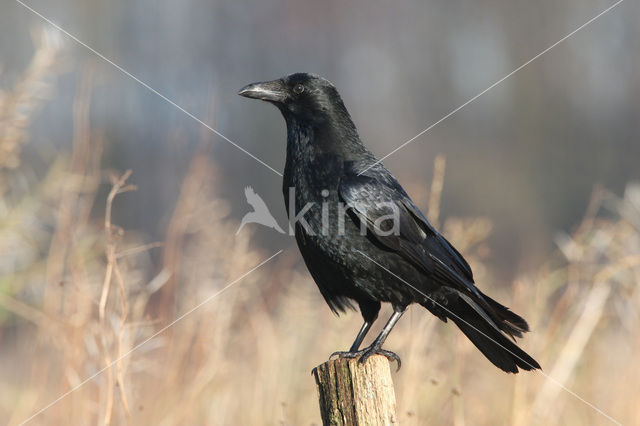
(355, 394)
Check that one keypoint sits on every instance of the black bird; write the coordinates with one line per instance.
(363, 261)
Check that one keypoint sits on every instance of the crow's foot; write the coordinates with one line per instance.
(365, 353)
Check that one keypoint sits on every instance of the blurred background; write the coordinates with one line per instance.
(533, 181)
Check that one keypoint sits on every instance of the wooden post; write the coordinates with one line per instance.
(355, 394)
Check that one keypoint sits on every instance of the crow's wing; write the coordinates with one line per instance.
(372, 199)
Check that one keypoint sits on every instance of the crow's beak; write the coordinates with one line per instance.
(271, 91)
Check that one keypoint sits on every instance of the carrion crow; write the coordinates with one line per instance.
(339, 199)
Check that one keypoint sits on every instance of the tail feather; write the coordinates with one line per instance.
(485, 333)
(508, 321)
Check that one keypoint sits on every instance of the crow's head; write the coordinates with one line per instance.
(300, 96)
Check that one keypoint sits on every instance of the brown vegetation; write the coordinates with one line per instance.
(77, 294)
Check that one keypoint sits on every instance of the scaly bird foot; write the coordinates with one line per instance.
(365, 353)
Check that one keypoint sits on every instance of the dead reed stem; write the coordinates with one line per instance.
(113, 235)
(435, 194)
(582, 331)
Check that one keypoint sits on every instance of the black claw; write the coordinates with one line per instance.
(391, 356)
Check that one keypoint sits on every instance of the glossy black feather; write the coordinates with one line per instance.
(324, 152)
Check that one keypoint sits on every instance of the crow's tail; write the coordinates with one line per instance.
(512, 324)
(484, 330)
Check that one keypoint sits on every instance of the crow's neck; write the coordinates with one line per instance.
(335, 136)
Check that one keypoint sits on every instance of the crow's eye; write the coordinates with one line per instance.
(298, 88)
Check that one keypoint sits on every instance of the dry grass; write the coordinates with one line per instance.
(18, 105)
(76, 294)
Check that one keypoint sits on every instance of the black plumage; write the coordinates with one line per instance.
(357, 259)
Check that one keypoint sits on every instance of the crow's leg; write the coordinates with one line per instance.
(369, 310)
(376, 346)
(366, 326)
(353, 350)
